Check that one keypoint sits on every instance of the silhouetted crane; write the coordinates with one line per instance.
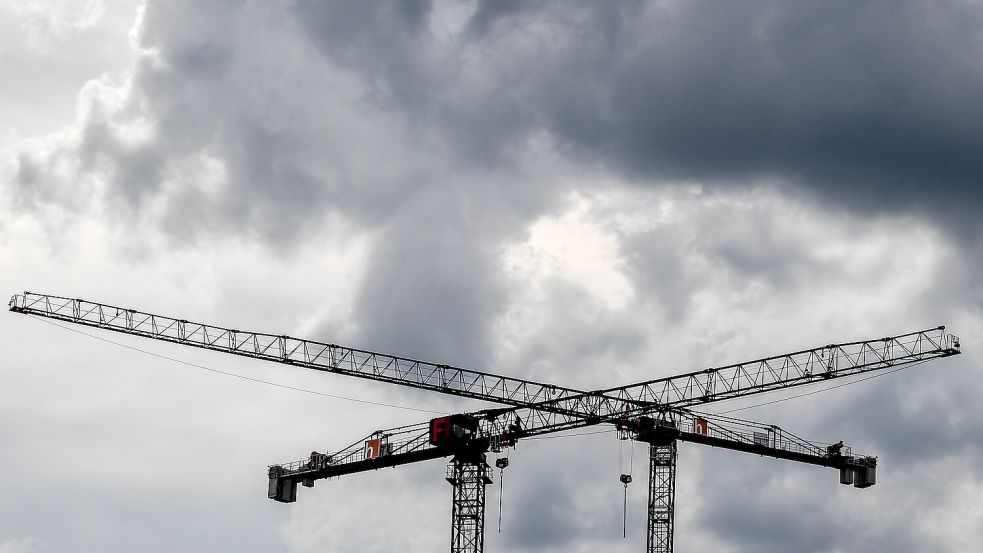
(657, 411)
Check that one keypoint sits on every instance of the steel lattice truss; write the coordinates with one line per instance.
(738, 380)
(411, 443)
(541, 406)
(468, 478)
(662, 497)
(677, 393)
(293, 351)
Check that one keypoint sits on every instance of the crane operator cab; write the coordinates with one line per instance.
(453, 431)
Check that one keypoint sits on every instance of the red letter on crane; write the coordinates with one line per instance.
(700, 426)
(372, 448)
(440, 430)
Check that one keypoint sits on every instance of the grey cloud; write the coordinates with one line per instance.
(583, 344)
(488, 13)
(545, 522)
(873, 107)
(367, 115)
(564, 495)
(433, 287)
(427, 259)
(920, 418)
(753, 512)
(919, 425)
(287, 138)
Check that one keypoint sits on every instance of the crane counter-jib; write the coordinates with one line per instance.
(412, 444)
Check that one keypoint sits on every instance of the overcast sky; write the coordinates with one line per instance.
(583, 193)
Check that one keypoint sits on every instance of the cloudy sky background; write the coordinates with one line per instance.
(589, 194)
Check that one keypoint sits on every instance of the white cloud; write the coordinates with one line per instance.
(21, 545)
(50, 50)
(46, 20)
(572, 247)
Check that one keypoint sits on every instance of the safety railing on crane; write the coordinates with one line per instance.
(414, 438)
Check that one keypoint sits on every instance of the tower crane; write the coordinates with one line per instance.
(532, 408)
(468, 472)
(662, 419)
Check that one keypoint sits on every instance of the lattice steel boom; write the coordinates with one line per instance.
(538, 405)
(298, 352)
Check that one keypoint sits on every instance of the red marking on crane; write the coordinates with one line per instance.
(440, 430)
(372, 448)
(700, 426)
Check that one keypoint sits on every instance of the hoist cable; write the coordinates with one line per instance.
(242, 377)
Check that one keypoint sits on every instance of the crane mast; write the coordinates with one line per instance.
(650, 411)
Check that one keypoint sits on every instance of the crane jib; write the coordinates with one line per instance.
(536, 404)
(293, 351)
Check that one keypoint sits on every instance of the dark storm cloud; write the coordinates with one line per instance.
(480, 89)
(873, 104)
